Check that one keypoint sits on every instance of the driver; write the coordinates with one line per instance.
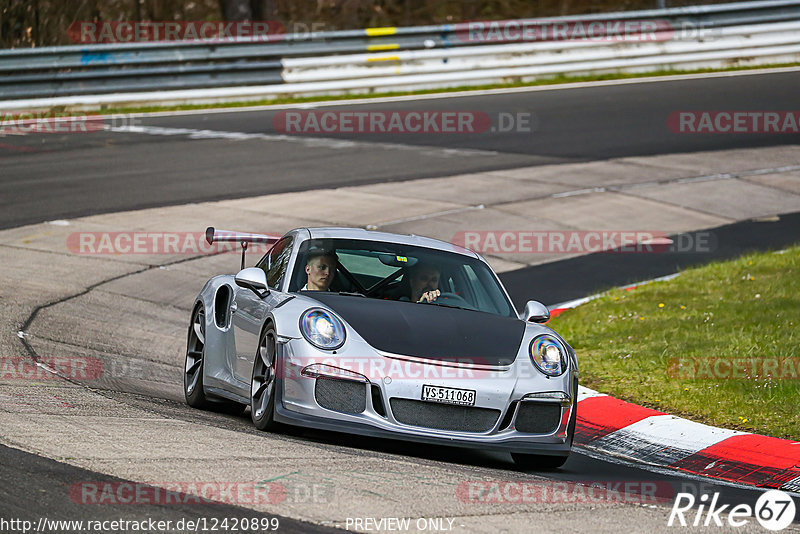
(320, 268)
(424, 281)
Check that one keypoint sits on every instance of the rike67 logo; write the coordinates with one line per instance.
(774, 510)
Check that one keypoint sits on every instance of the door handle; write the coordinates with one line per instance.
(234, 307)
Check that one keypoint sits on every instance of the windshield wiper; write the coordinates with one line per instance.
(350, 294)
(450, 306)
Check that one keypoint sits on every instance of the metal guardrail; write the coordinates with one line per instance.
(371, 59)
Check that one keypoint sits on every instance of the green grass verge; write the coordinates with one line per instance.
(699, 345)
(555, 80)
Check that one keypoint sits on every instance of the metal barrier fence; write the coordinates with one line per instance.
(382, 59)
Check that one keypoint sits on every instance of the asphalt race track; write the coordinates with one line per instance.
(26, 477)
(54, 176)
(182, 159)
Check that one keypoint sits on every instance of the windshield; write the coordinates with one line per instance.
(380, 270)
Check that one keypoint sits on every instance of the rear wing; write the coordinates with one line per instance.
(227, 236)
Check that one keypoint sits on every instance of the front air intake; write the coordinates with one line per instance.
(538, 417)
(444, 416)
(341, 395)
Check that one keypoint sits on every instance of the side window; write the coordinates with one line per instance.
(482, 298)
(276, 262)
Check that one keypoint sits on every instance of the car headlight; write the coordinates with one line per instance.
(322, 329)
(548, 355)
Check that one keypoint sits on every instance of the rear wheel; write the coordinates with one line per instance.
(262, 385)
(193, 370)
(195, 357)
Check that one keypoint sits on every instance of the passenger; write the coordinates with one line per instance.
(423, 280)
(320, 268)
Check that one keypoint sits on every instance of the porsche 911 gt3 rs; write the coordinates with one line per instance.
(367, 356)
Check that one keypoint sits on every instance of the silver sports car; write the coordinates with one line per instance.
(386, 335)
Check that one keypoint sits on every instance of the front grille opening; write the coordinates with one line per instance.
(443, 416)
(377, 401)
(538, 417)
(509, 415)
(341, 395)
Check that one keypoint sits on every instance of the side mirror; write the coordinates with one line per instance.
(254, 279)
(535, 312)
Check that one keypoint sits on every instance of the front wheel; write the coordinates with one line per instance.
(262, 384)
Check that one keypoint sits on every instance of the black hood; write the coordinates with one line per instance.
(430, 331)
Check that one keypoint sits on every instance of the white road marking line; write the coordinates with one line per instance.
(309, 141)
(426, 216)
(775, 170)
(707, 178)
(579, 192)
(570, 304)
(685, 180)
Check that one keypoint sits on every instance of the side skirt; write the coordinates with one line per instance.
(219, 392)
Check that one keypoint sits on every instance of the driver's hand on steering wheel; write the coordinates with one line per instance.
(430, 296)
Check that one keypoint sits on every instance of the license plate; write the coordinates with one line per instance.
(463, 397)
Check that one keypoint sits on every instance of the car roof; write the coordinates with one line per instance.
(387, 237)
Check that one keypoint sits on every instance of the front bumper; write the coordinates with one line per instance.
(512, 444)
(503, 391)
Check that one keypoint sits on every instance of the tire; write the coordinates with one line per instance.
(263, 382)
(195, 361)
(193, 389)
